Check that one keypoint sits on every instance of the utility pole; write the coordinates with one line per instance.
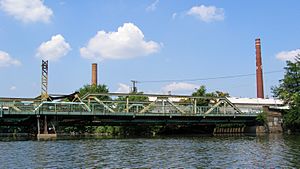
(134, 88)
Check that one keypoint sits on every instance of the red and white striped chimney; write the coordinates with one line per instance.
(259, 74)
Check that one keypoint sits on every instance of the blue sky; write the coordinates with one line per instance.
(144, 41)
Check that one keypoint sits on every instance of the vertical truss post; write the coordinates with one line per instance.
(195, 106)
(163, 106)
(127, 104)
(44, 86)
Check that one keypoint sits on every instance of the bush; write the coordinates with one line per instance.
(261, 118)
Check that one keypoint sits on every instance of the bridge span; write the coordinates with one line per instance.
(120, 109)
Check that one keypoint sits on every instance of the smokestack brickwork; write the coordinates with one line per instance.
(259, 74)
(94, 74)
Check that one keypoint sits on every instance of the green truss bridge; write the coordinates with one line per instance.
(120, 109)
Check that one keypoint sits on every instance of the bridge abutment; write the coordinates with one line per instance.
(274, 120)
(273, 123)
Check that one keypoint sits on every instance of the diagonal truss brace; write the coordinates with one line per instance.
(103, 104)
(162, 99)
(83, 104)
(174, 105)
(215, 106)
(223, 101)
(148, 107)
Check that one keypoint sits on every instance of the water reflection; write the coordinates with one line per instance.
(266, 151)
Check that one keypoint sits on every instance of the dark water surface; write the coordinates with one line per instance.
(268, 151)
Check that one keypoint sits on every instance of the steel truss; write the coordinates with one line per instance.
(118, 103)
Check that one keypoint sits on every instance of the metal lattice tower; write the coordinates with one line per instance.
(44, 86)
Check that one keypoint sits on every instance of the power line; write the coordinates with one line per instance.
(209, 78)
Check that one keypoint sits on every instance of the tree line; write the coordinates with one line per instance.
(289, 91)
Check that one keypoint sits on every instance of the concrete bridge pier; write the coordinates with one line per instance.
(45, 134)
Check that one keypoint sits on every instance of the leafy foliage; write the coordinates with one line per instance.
(95, 89)
(292, 117)
(134, 97)
(289, 91)
(261, 118)
(289, 87)
(201, 92)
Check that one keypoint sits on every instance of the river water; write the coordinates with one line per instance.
(268, 151)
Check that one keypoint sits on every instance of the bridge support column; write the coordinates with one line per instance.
(38, 124)
(45, 125)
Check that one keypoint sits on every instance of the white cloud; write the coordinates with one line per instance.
(123, 88)
(13, 88)
(6, 60)
(127, 42)
(27, 10)
(62, 2)
(179, 87)
(207, 13)
(53, 49)
(153, 6)
(174, 15)
(288, 55)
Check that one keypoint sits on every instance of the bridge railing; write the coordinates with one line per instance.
(61, 108)
(12, 107)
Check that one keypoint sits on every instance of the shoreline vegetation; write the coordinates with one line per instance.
(144, 131)
(118, 130)
(289, 91)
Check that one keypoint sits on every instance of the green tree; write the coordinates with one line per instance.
(261, 118)
(94, 89)
(289, 91)
(139, 97)
(201, 92)
(132, 97)
(222, 94)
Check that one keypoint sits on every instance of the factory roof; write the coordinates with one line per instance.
(256, 101)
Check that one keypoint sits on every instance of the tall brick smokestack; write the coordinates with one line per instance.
(259, 74)
(94, 74)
